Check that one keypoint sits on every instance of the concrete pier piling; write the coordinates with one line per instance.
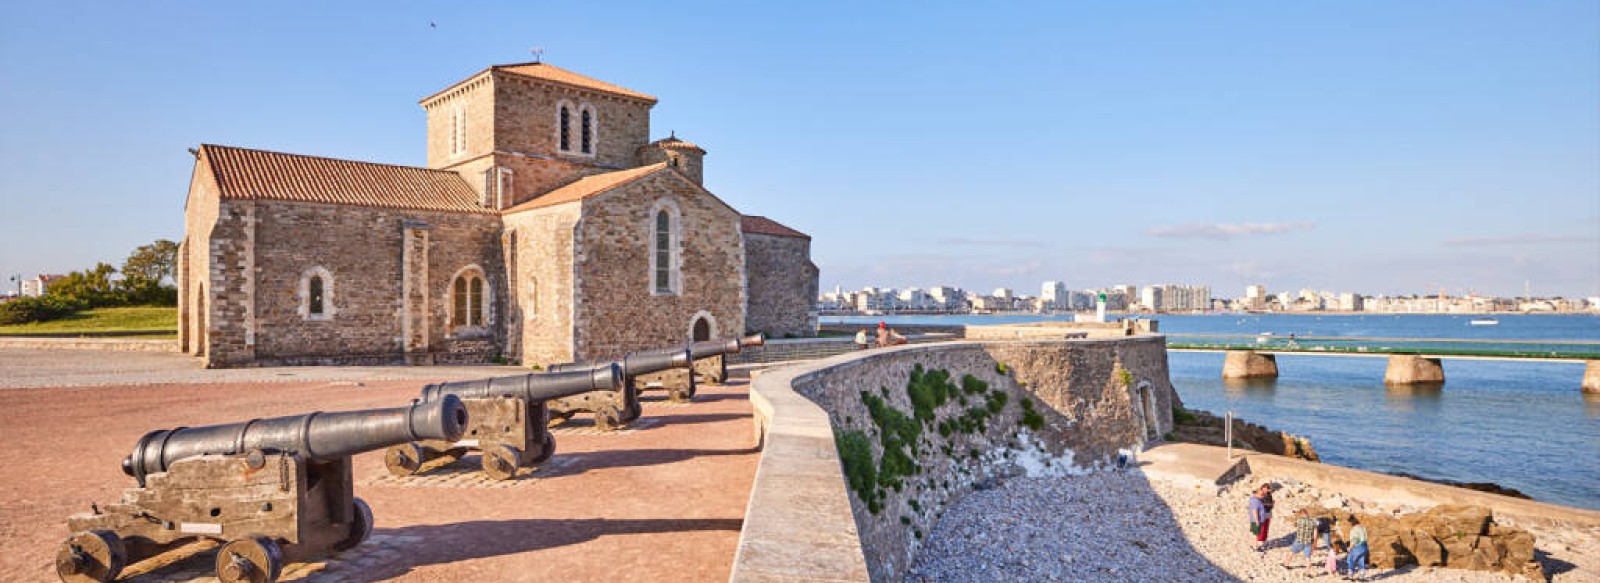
(1407, 369)
(1591, 377)
(1247, 364)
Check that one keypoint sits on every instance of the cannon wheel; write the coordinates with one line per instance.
(501, 462)
(632, 412)
(547, 448)
(607, 418)
(254, 559)
(360, 526)
(404, 459)
(681, 395)
(91, 556)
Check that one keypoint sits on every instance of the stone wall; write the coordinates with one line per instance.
(619, 311)
(526, 121)
(194, 257)
(539, 252)
(782, 283)
(477, 97)
(261, 262)
(1067, 407)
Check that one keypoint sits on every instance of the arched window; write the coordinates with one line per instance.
(469, 302)
(588, 131)
(663, 252)
(316, 294)
(566, 128)
(666, 239)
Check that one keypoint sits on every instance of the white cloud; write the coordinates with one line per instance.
(1224, 231)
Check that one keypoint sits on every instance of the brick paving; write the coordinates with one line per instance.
(662, 500)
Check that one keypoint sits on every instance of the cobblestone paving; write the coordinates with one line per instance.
(195, 563)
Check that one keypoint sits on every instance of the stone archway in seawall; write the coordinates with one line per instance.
(1147, 408)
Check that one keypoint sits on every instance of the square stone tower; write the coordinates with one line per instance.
(517, 131)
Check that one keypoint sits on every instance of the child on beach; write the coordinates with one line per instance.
(1332, 564)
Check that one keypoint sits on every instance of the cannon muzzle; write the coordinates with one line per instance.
(315, 436)
(533, 387)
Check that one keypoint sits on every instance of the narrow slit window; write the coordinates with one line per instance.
(475, 302)
(663, 252)
(459, 313)
(588, 132)
(566, 129)
(316, 307)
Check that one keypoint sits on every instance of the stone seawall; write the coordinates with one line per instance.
(863, 451)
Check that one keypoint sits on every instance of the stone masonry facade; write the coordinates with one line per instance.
(532, 236)
(782, 285)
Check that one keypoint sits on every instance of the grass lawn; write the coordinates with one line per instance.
(105, 321)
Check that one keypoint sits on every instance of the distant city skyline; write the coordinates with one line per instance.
(1392, 148)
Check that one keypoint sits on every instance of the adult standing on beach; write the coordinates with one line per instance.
(1356, 561)
(1305, 537)
(1261, 514)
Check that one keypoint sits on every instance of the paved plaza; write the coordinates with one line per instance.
(662, 500)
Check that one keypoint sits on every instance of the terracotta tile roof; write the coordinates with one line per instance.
(766, 226)
(243, 173)
(673, 143)
(556, 74)
(588, 186)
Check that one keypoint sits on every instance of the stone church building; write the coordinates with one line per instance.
(547, 227)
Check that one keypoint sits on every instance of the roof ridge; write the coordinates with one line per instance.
(330, 158)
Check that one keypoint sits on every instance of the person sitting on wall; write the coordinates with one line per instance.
(861, 339)
(888, 337)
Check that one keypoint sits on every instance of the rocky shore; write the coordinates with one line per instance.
(1121, 526)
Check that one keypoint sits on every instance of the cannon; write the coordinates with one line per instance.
(508, 418)
(611, 408)
(270, 490)
(710, 365)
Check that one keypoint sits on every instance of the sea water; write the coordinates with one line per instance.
(1520, 424)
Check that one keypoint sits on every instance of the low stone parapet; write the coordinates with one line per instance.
(117, 344)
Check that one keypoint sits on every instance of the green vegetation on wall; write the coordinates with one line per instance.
(899, 434)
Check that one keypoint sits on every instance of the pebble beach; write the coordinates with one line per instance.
(1121, 526)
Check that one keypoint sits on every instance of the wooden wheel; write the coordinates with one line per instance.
(255, 559)
(500, 462)
(607, 418)
(547, 448)
(360, 526)
(93, 556)
(404, 459)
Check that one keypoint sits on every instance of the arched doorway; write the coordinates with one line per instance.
(200, 321)
(702, 330)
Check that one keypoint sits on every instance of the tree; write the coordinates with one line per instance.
(151, 263)
(92, 287)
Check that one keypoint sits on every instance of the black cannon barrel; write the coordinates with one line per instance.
(533, 387)
(316, 436)
(710, 348)
(639, 363)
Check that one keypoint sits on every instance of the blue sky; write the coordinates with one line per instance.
(1381, 147)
